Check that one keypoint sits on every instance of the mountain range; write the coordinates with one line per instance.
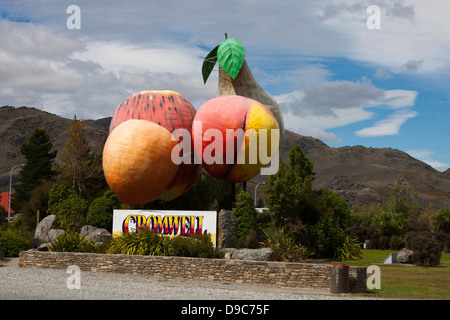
(355, 173)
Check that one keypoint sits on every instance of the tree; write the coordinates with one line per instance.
(245, 214)
(38, 201)
(328, 234)
(317, 219)
(38, 166)
(70, 209)
(441, 220)
(289, 192)
(441, 225)
(301, 164)
(421, 239)
(399, 199)
(389, 217)
(79, 167)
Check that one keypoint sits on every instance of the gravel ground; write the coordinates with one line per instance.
(49, 284)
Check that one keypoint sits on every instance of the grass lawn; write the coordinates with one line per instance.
(407, 281)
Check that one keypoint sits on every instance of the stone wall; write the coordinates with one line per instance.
(305, 275)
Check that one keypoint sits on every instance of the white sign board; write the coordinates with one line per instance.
(167, 222)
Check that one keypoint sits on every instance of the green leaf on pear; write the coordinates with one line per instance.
(231, 54)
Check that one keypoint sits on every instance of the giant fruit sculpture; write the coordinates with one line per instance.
(241, 104)
(168, 110)
(233, 135)
(235, 77)
(137, 160)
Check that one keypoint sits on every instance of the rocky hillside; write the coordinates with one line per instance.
(17, 125)
(355, 173)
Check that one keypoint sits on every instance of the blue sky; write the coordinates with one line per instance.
(334, 78)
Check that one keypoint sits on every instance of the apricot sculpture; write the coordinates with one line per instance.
(137, 160)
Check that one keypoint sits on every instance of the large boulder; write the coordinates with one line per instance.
(53, 234)
(46, 234)
(96, 235)
(263, 254)
(44, 231)
(44, 227)
(227, 230)
(404, 256)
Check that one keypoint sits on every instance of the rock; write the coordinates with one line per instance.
(228, 252)
(227, 230)
(263, 254)
(44, 227)
(53, 234)
(96, 235)
(404, 256)
(44, 246)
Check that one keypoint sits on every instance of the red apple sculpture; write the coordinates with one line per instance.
(172, 111)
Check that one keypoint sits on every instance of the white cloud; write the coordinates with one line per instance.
(317, 125)
(117, 56)
(327, 97)
(33, 63)
(91, 71)
(411, 31)
(389, 126)
(399, 98)
(413, 35)
(91, 78)
(323, 106)
(27, 39)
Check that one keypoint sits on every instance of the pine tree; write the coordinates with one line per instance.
(246, 215)
(289, 193)
(38, 166)
(79, 165)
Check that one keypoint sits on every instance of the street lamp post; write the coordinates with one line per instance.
(10, 186)
(256, 188)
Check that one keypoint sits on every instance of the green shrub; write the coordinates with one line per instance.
(72, 242)
(397, 243)
(253, 239)
(143, 243)
(444, 238)
(148, 243)
(13, 243)
(426, 249)
(194, 246)
(349, 249)
(441, 225)
(441, 220)
(284, 247)
(70, 209)
(100, 212)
